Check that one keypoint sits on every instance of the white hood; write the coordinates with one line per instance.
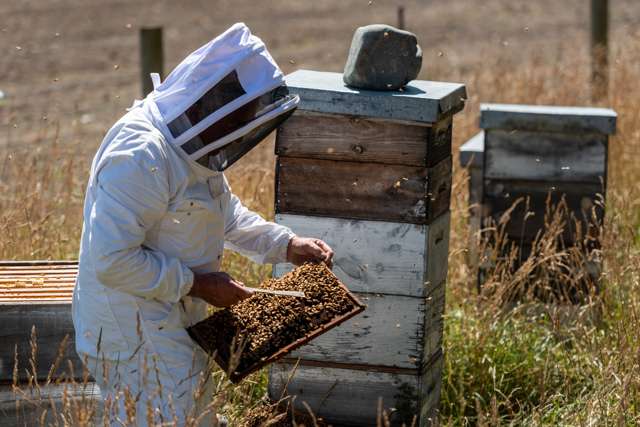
(238, 54)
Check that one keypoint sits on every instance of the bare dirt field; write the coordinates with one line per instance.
(71, 66)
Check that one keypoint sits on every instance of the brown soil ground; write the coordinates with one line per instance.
(70, 67)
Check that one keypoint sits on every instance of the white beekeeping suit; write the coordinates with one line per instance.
(158, 209)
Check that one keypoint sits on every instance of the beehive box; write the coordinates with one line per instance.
(370, 173)
(472, 158)
(55, 404)
(36, 296)
(265, 328)
(536, 152)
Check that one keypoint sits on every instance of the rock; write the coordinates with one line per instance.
(382, 57)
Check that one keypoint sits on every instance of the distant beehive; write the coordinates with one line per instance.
(538, 155)
(370, 173)
(38, 295)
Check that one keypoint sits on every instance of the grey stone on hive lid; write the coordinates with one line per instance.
(421, 101)
(540, 118)
(382, 57)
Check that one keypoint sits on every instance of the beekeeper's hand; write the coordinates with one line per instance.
(305, 249)
(219, 289)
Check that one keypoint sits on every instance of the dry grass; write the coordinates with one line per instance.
(550, 363)
(536, 364)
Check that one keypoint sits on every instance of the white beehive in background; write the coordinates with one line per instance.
(530, 153)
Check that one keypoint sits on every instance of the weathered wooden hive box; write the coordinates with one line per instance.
(36, 296)
(539, 154)
(370, 173)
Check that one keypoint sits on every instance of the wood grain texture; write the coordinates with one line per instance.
(52, 322)
(32, 403)
(352, 138)
(439, 139)
(358, 139)
(356, 190)
(431, 386)
(350, 397)
(378, 256)
(433, 329)
(419, 101)
(582, 201)
(437, 258)
(438, 189)
(393, 331)
(545, 156)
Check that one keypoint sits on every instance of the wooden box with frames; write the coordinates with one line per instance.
(370, 173)
(527, 160)
(35, 302)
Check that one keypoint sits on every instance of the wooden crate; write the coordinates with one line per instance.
(55, 404)
(349, 395)
(312, 135)
(361, 190)
(584, 214)
(380, 256)
(535, 151)
(37, 295)
(370, 173)
(538, 155)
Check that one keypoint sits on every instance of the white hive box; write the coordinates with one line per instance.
(370, 173)
(531, 152)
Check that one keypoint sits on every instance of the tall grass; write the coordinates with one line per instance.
(550, 363)
(535, 364)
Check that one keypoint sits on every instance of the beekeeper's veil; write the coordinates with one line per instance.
(223, 99)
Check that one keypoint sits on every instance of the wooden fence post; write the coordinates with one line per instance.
(151, 56)
(401, 24)
(599, 48)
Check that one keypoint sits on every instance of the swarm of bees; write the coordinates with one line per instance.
(258, 327)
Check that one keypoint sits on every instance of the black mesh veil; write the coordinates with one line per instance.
(254, 120)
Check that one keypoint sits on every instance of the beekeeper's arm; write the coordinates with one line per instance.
(248, 233)
(132, 195)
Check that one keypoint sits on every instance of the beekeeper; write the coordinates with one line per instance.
(157, 215)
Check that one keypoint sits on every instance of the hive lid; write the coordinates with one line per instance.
(420, 101)
(472, 151)
(538, 118)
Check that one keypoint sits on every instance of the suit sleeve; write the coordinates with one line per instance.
(132, 195)
(248, 233)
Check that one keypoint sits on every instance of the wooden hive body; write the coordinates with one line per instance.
(36, 296)
(532, 153)
(370, 173)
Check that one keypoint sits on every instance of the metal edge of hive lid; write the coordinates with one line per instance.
(237, 376)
